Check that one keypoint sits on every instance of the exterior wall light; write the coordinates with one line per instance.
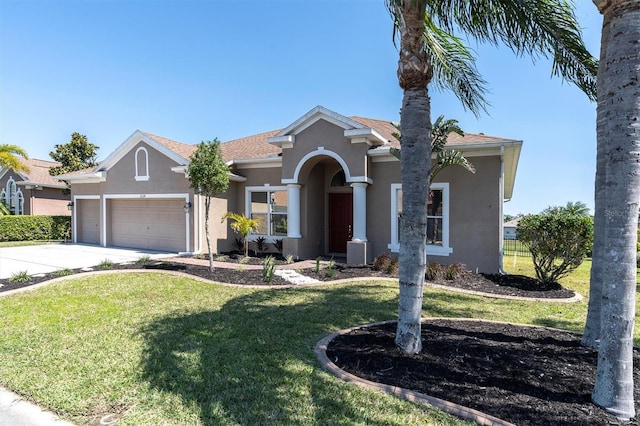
(187, 207)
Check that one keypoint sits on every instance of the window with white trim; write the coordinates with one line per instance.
(269, 206)
(142, 164)
(437, 219)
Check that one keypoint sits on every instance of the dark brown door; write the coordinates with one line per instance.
(340, 222)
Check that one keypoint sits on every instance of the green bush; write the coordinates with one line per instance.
(34, 228)
(558, 242)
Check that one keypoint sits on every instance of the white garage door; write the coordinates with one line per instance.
(88, 225)
(147, 224)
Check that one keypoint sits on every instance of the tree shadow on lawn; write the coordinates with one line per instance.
(252, 361)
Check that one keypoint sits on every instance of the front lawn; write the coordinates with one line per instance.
(157, 349)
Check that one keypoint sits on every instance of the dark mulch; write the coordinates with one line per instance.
(524, 375)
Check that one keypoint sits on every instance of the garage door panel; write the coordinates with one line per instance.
(88, 221)
(148, 224)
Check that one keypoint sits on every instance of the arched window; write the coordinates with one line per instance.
(12, 197)
(142, 164)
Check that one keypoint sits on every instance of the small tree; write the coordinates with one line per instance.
(75, 155)
(209, 176)
(242, 225)
(558, 242)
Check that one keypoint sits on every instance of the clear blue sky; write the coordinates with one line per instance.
(196, 70)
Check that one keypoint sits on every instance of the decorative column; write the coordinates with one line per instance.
(293, 211)
(359, 211)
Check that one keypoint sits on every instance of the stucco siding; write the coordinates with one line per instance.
(379, 204)
(474, 215)
(331, 138)
(121, 178)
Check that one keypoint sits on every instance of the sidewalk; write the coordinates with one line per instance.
(15, 411)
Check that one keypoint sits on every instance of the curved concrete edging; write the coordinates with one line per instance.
(457, 410)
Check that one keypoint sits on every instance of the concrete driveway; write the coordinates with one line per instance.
(53, 257)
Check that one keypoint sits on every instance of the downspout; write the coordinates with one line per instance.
(501, 215)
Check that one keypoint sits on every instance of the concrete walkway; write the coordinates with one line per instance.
(45, 258)
(15, 411)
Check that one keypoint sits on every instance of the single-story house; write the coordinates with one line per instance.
(34, 192)
(325, 184)
(510, 229)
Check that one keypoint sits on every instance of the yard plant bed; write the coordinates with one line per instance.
(242, 274)
(524, 375)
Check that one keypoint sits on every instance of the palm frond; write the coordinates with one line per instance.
(538, 28)
(440, 130)
(454, 67)
(9, 157)
(448, 158)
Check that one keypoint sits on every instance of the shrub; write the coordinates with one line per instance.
(105, 264)
(143, 260)
(261, 244)
(20, 277)
(434, 272)
(35, 228)
(381, 263)
(278, 244)
(63, 272)
(392, 267)
(268, 268)
(453, 271)
(558, 242)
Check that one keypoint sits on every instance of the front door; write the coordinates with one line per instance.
(340, 221)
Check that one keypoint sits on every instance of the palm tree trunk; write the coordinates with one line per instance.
(591, 335)
(414, 74)
(619, 131)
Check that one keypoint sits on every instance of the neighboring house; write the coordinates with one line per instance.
(510, 229)
(34, 192)
(326, 185)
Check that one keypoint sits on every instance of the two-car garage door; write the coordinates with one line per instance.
(147, 224)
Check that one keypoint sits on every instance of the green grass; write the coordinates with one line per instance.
(27, 243)
(169, 350)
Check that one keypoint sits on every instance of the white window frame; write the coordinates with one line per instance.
(247, 210)
(431, 249)
(140, 177)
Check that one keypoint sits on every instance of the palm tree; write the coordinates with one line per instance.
(577, 208)
(429, 52)
(242, 225)
(618, 135)
(440, 130)
(9, 158)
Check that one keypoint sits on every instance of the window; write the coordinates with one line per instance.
(269, 206)
(12, 197)
(437, 219)
(142, 164)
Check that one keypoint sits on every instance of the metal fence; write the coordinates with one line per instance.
(515, 247)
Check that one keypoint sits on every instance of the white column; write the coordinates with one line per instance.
(359, 211)
(293, 211)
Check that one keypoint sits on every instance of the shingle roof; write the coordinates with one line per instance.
(39, 173)
(255, 146)
(182, 149)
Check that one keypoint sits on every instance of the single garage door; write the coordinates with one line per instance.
(88, 225)
(147, 224)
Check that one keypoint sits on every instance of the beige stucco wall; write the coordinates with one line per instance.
(331, 138)
(475, 215)
(474, 206)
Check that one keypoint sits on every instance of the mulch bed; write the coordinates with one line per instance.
(525, 375)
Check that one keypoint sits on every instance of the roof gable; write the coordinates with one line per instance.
(177, 151)
(319, 113)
